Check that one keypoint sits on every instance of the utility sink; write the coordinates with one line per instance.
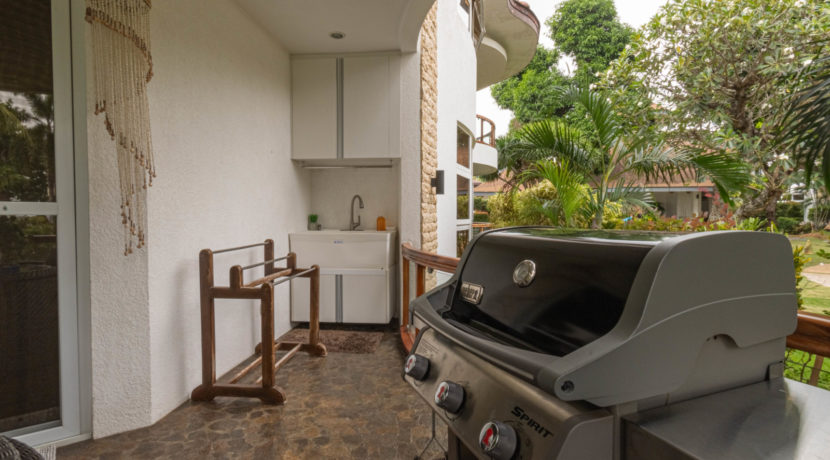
(344, 248)
(357, 275)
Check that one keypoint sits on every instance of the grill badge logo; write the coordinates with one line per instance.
(520, 414)
(524, 273)
(471, 293)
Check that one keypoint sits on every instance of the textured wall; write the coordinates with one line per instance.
(429, 129)
(220, 113)
(118, 287)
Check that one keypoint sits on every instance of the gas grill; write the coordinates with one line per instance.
(549, 343)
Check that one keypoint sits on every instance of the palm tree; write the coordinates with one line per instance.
(612, 161)
(807, 124)
(571, 201)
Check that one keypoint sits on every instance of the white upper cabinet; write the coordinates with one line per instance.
(366, 107)
(345, 108)
(314, 109)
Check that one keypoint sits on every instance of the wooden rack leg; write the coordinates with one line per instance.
(314, 347)
(270, 393)
(205, 391)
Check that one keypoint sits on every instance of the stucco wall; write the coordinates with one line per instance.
(456, 104)
(120, 329)
(220, 114)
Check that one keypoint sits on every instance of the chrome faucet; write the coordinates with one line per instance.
(352, 224)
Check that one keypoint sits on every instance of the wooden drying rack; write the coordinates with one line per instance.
(263, 290)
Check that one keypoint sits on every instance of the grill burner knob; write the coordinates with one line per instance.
(498, 440)
(449, 396)
(416, 367)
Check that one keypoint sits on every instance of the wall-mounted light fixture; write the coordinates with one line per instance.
(437, 182)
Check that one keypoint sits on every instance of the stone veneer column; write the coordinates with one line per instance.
(429, 132)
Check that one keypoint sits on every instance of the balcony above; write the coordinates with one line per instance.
(306, 27)
(511, 32)
(485, 155)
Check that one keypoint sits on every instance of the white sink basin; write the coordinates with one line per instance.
(334, 249)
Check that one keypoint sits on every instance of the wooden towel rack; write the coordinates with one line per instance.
(262, 289)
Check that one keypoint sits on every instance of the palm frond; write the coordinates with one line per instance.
(600, 113)
(631, 194)
(555, 139)
(570, 194)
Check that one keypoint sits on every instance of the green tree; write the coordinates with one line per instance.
(807, 126)
(591, 32)
(718, 76)
(612, 161)
(531, 94)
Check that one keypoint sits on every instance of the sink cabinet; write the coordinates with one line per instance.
(357, 275)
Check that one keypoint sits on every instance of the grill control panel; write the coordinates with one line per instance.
(499, 415)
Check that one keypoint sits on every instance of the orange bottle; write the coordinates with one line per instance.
(381, 224)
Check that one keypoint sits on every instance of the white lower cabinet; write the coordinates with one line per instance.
(365, 298)
(300, 298)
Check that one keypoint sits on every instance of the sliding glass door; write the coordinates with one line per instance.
(39, 398)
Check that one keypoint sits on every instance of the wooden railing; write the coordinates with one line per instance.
(812, 335)
(487, 137)
(423, 261)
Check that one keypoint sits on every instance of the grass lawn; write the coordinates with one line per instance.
(796, 370)
(816, 297)
(814, 242)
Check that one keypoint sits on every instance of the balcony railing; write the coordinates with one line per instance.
(811, 338)
(486, 131)
(423, 261)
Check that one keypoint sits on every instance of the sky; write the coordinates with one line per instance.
(632, 12)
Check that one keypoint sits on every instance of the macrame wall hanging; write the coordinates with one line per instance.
(122, 68)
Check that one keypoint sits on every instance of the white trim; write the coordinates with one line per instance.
(82, 244)
(28, 208)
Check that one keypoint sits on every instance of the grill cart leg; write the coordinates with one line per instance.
(433, 439)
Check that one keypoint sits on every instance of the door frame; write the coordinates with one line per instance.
(72, 184)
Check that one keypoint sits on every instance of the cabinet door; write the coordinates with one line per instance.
(366, 298)
(366, 107)
(314, 108)
(300, 298)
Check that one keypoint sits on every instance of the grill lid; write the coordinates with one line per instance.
(547, 290)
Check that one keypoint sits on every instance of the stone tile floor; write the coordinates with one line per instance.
(341, 406)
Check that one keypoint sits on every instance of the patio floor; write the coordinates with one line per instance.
(342, 406)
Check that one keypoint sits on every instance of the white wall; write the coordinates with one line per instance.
(220, 114)
(456, 104)
(410, 165)
(332, 191)
(120, 329)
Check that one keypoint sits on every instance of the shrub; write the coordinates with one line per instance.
(800, 258)
(787, 224)
(480, 203)
(502, 209)
(791, 209)
(481, 216)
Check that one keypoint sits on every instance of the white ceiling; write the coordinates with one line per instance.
(303, 26)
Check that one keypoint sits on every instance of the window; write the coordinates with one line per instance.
(463, 197)
(463, 188)
(463, 148)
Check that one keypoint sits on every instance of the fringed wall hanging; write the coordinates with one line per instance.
(122, 68)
